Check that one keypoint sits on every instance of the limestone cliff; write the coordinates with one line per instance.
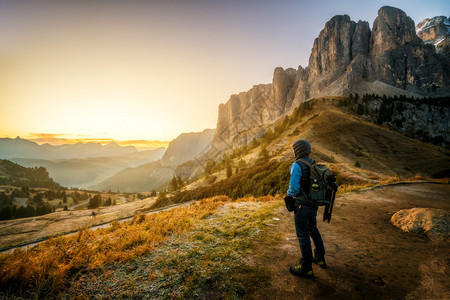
(346, 57)
(401, 59)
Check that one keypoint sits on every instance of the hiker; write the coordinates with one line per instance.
(304, 213)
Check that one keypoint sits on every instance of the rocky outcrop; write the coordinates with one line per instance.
(187, 146)
(347, 57)
(332, 50)
(435, 31)
(435, 223)
(401, 59)
(360, 39)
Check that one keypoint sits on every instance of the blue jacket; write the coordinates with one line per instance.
(296, 176)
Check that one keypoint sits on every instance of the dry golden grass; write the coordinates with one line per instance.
(50, 264)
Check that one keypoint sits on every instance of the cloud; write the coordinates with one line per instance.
(61, 139)
(144, 143)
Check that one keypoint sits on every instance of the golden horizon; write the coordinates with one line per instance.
(64, 139)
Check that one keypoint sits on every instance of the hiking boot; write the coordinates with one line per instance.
(300, 271)
(320, 261)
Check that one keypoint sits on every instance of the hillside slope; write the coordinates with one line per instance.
(140, 179)
(19, 176)
(358, 151)
(342, 139)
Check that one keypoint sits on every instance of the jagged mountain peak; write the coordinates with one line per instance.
(347, 57)
(435, 31)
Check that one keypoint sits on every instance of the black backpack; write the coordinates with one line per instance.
(322, 188)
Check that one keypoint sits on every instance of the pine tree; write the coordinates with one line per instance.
(180, 182)
(95, 201)
(37, 198)
(162, 196)
(174, 183)
(263, 153)
(229, 171)
(209, 166)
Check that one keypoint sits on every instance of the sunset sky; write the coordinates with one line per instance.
(150, 70)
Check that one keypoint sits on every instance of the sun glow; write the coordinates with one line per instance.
(61, 139)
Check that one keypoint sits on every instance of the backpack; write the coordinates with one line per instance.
(322, 188)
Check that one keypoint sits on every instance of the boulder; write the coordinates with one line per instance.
(435, 223)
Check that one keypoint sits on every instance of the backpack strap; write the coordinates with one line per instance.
(308, 164)
(305, 162)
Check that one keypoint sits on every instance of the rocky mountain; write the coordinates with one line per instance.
(140, 179)
(435, 31)
(22, 148)
(347, 57)
(187, 146)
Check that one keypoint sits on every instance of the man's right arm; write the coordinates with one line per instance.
(294, 182)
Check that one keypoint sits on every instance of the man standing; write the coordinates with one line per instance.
(305, 213)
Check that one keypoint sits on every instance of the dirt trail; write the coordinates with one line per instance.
(368, 257)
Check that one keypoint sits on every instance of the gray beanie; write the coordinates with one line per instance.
(301, 149)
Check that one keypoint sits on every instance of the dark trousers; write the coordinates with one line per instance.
(306, 227)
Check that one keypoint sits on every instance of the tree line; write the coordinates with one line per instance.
(19, 176)
(263, 178)
(402, 113)
(36, 204)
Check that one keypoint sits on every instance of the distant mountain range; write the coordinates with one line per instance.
(80, 165)
(187, 146)
(22, 148)
(93, 166)
(87, 172)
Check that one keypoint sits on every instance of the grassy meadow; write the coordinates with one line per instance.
(184, 251)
